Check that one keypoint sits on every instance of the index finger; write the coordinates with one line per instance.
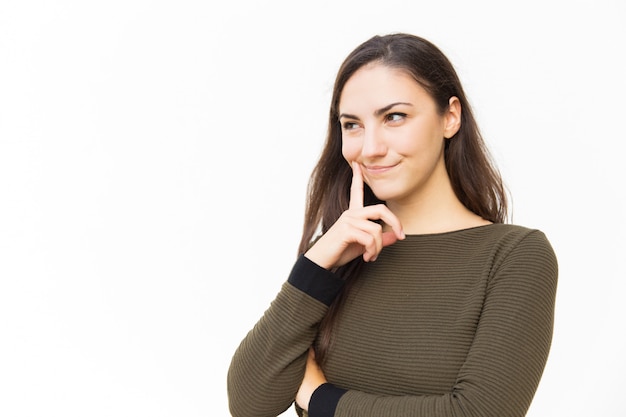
(356, 188)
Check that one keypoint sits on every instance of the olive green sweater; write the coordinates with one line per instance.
(440, 325)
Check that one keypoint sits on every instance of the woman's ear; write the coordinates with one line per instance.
(452, 118)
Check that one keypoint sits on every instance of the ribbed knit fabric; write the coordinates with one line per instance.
(451, 324)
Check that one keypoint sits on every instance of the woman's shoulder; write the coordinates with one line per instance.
(495, 240)
(511, 234)
(501, 240)
(489, 233)
(520, 242)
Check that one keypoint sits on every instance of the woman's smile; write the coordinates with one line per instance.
(378, 169)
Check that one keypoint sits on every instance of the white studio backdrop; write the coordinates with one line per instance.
(154, 157)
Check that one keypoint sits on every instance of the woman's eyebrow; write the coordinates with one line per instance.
(347, 116)
(385, 109)
(378, 112)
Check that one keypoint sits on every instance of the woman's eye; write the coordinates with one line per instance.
(395, 117)
(350, 125)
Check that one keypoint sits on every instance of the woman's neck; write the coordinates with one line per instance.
(436, 212)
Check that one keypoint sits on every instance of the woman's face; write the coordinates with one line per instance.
(391, 126)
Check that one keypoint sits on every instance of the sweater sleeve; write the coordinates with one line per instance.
(506, 360)
(268, 366)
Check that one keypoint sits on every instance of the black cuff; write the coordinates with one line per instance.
(319, 283)
(324, 400)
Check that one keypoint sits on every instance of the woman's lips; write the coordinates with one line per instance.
(378, 169)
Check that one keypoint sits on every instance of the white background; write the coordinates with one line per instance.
(154, 157)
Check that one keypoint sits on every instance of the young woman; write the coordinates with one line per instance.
(415, 298)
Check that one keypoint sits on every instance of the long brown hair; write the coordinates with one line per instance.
(474, 177)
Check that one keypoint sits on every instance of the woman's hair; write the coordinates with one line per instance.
(475, 179)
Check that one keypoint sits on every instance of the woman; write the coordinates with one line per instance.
(416, 299)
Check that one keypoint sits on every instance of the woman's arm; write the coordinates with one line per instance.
(268, 366)
(506, 360)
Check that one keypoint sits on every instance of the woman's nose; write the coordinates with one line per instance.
(373, 143)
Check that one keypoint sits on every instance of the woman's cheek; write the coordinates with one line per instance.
(350, 150)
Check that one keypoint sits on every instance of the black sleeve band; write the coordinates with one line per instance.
(314, 280)
(324, 400)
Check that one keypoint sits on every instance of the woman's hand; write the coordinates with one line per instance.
(313, 378)
(355, 233)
